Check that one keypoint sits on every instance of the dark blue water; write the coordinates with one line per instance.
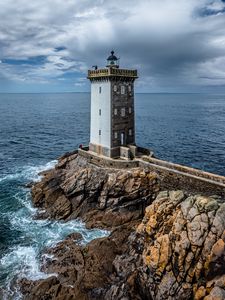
(184, 128)
(37, 128)
(34, 131)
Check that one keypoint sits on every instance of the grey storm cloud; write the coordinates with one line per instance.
(172, 43)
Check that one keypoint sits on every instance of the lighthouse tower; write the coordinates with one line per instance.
(112, 131)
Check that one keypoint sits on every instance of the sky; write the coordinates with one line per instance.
(176, 45)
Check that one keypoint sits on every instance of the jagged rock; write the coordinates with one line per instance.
(183, 258)
(83, 272)
(75, 236)
(176, 252)
(153, 263)
(101, 197)
(36, 290)
(61, 208)
(216, 294)
(200, 293)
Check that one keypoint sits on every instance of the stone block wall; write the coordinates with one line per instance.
(172, 176)
(185, 169)
(174, 179)
(107, 162)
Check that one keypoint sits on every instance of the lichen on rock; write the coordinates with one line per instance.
(164, 245)
(184, 250)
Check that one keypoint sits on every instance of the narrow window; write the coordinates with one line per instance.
(122, 89)
(122, 138)
(115, 111)
(100, 112)
(100, 90)
(100, 132)
(130, 110)
(123, 112)
(129, 88)
(115, 135)
(115, 88)
(130, 131)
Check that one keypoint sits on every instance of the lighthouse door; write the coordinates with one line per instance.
(122, 138)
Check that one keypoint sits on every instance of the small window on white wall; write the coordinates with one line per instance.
(100, 112)
(130, 131)
(122, 89)
(115, 135)
(115, 88)
(123, 112)
(115, 111)
(100, 90)
(100, 132)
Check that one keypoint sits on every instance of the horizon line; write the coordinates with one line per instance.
(85, 92)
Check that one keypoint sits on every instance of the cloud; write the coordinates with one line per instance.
(175, 45)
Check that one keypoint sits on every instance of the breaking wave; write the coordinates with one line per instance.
(23, 255)
(29, 173)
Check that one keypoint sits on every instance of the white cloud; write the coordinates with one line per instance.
(171, 42)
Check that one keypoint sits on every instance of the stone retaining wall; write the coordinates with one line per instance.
(106, 162)
(173, 176)
(184, 169)
(174, 179)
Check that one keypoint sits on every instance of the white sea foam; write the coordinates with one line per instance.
(29, 173)
(23, 197)
(32, 172)
(23, 260)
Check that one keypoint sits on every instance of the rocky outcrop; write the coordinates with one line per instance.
(186, 233)
(176, 250)
(102, 197)
(83, 272)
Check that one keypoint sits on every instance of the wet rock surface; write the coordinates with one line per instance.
(176, 251)
(83, 271)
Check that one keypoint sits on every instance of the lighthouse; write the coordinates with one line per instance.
(112, 130)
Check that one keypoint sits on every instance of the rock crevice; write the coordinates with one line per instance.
(163, 244)
(111, 197)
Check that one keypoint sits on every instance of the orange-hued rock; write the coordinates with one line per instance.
(218, 249)
(191, 246)
(180, 252)
(200, 293)
(172, 250)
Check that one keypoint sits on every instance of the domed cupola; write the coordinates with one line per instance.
(112, 61)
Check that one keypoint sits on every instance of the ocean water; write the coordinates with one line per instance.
(35, 129)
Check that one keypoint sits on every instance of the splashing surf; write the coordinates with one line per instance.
(23, 255)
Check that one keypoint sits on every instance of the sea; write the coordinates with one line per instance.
(35, 129)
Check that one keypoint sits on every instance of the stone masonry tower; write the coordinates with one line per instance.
(112, 110)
